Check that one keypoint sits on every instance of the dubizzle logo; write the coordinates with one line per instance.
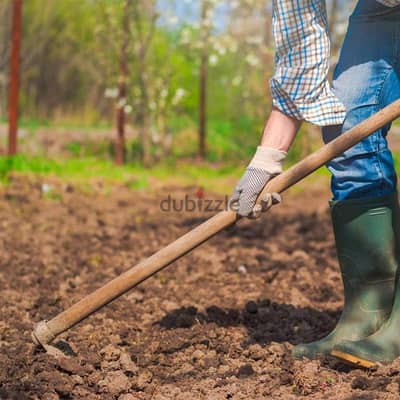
(194, 203)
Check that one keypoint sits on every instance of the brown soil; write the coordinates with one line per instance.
(218, 324)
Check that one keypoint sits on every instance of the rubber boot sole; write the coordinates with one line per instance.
(354, 360)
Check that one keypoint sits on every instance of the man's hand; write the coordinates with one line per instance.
(266, 163)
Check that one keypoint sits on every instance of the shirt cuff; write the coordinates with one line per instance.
(323, 110)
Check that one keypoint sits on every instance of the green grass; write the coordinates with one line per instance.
(83, 170)
(33, 124)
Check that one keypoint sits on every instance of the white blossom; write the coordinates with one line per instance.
(179, 94)
(164, 92)
(233, 48)
(46, 188)
(255, 40)
(111, 93)
(213, 59)
(185, 36)
(172, 19)
(237, 80)
(218, 47)
(252, 60)
(121, 103)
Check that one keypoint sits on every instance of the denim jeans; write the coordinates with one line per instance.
(366, 79)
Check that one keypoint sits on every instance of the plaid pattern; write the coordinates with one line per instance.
(300, 85)
(389, 3)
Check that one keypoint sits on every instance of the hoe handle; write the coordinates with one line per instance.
(46, 331)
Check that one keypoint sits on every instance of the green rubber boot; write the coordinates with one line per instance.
(384, 345)
(365, 243)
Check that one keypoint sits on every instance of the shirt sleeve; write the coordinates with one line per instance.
(389, 3)
(300, 86)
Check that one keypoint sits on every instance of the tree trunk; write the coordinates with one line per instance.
(203, 83)
(203, 107)
(14, 77)
(120, 140)
(144, 118)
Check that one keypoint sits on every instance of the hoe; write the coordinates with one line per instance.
(46, 331)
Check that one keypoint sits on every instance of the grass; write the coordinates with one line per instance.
(83, 170)
(219, 174)
(33, 124)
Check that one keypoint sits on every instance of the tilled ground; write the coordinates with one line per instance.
(218, 324)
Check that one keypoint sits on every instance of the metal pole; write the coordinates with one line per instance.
(14, 77)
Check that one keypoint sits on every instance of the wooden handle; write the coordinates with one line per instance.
(46, 331)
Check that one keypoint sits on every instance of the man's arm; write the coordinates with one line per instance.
(280, 130)
(279, 133)
(300, 86)
(300, 91)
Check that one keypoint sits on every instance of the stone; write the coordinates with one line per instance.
(242, 269)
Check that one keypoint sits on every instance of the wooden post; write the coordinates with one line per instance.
(14, 77)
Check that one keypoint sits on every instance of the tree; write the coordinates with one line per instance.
(120, 142)
(5, 40)
(205, 30)
(144, 22)
(14, 80)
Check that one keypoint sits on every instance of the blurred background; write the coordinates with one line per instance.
(167, 85)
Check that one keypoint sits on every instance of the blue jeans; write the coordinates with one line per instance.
(366, 79)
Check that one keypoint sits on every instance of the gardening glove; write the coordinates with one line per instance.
(266, 163)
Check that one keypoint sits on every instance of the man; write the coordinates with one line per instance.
(365, 211)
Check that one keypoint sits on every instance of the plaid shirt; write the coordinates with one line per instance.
(300, 85)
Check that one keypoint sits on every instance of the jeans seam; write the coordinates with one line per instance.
(379, 106)
(378, 96)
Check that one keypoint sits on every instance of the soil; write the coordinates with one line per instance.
(217, 324)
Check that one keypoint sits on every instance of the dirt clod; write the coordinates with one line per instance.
(115, 382)
(127, 364)
(245, 371)
(251, 307)
(110, 353)
(144, 379)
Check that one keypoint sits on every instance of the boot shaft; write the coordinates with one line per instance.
(367, 235)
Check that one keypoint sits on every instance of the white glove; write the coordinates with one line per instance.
(266, 163)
